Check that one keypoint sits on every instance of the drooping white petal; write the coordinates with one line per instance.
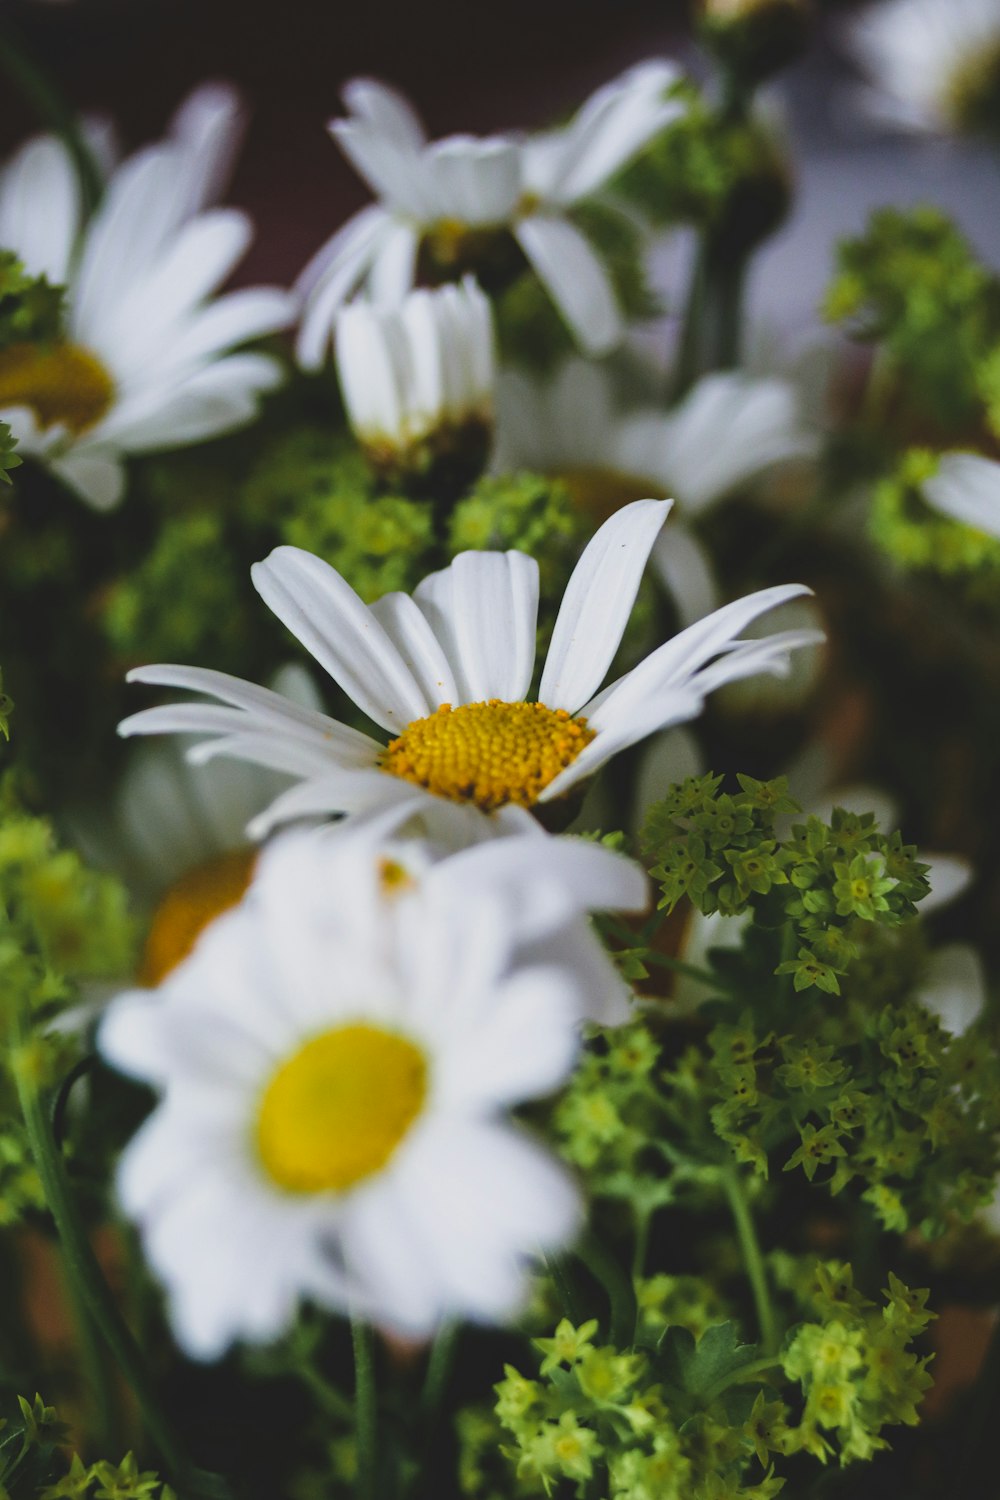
(394, 263)
(597, 604)
(323, 612)
(337, 791)
(574, 278)
(332, 275)
(685, 569)
(96, 475)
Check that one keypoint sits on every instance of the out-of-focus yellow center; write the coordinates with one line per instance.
(334, 1113)
(62, 384)
(488, 753)
(188, 907)
(600, 492)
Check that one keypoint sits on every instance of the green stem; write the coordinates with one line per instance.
(562, 1280)
(96, 1374)
(753, 1259)
(365, 1413)
(604, 1267)
(640, 1252)
(439, 1365)
(89, 1285)
(43, 97)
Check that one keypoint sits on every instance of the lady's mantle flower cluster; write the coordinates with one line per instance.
(700, 1419)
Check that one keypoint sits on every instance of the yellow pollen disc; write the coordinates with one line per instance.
(488, 753)
(335, 1112)
(600, 492)
(188, 907)
(63, 384)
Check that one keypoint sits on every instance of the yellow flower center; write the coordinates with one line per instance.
(188, 907)
(488, 753)
(62, 384)
(600, 492)
(334, 1113)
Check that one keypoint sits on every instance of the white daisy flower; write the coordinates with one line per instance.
(552, 885)
(935, 64)
(335, 1071)
(447, 674)
(417, 379)
(966, 487)
(466, 200)
(147, 361)
(728, 430)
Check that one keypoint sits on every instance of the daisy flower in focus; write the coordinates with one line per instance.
(447, 674)
(146, 361)
(729, 429)
(335, 1072)
(483, 204)
(417, 381)
(934, 64)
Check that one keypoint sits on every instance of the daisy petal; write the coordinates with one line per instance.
(597, 604)
(326, 615)
(575, 279)
(411, 634)
(685, 570)
(496, 610)
(967, 488)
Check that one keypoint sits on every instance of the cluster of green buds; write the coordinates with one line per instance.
(60, 926)
(687, 1417)
(36, 1464)
(825, 886)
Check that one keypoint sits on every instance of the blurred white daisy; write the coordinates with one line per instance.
(417, 380)
(147, 360)
(934, 64)
(335, 1072)
(551, 885)
(727, 431)
(448, 672)
(966, 487)
(467, 200)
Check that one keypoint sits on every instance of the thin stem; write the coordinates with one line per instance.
(89, 1285)
(96, 1374)
(439, 1365)
(43, 97)
(604, 1267)
(753, 1259)
(562, 1280)
(365, 1411)
(665, 960)
(640, 1251)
